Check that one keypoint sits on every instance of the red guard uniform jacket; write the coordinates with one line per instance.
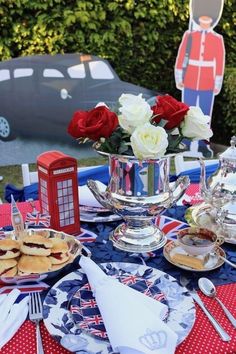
(205, 66)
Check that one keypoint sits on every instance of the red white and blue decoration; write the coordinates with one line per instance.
(37, 220)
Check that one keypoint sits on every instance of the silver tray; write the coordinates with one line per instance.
(75, 250)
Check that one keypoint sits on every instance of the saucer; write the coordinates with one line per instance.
(211, 263)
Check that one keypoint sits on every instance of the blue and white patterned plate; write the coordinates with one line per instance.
(85, 311)
(60, 324)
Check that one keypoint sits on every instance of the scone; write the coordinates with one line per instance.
(34, 264)
(9, 248)
(36, 245)
(44, 233)
(8, 267)
(59, 251)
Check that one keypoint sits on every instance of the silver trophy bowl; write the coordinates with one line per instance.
(138, 191)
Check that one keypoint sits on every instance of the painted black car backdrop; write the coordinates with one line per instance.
(39, 94)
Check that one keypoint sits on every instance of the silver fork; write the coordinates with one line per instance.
(36, 315)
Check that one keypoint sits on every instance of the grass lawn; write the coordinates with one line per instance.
(13, 175)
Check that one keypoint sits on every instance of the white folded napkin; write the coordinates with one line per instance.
(12, 315)
(87, 198)
(132, 319)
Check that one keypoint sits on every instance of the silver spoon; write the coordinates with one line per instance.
(208, 288)
(212, 254)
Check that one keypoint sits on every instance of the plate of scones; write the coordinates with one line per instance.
(39, 254)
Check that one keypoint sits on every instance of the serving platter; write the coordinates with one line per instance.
(75, 250)
(61, 325)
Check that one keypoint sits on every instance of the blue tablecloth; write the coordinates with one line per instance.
(103, 251)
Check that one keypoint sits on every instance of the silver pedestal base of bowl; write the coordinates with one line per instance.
(138, 240)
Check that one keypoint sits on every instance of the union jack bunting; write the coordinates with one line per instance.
(42, 220)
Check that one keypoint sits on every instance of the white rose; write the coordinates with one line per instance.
(196, 125)
(134, 111)
(149, 142)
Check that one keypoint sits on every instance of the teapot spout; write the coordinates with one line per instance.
(101, 196)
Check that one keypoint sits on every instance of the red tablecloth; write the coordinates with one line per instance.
(203, 338)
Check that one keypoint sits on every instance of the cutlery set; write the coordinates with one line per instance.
(36, 315)
(208, 289)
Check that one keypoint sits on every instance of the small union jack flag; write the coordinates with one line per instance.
(83, 325)
(159, 297)
(42, 220)
(98, 333)
(94, 320)
(75, 309)
(88, 303)
(131, 279)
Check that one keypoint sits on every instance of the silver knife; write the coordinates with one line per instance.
(220, 330)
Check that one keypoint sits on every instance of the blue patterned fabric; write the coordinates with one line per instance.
(103, 251)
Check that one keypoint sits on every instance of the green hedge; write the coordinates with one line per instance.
(224, 122)
(140, 38)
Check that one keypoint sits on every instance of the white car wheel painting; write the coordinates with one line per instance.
(5, 129)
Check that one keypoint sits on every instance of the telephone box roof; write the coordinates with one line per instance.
(53, 158)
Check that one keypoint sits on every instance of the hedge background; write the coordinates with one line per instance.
(140, 39)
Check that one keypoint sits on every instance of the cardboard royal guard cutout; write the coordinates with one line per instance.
(199, 66)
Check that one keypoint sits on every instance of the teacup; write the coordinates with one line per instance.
(197, 241)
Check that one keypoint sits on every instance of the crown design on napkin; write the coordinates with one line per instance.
(154, 340)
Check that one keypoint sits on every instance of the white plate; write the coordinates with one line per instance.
(60, 324)
(97, 217)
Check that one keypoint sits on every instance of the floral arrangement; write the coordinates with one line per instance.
(147, 132)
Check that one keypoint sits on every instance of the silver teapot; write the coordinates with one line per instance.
(226, 220)
(220, 187)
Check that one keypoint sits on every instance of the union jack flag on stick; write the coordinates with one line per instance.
(38, 220)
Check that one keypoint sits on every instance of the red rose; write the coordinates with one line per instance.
(168, 108)
(94, 124)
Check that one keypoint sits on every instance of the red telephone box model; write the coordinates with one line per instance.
(58, 190)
